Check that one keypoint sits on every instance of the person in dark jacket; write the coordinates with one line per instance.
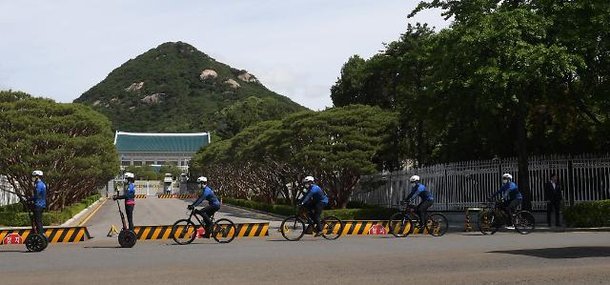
(315, 200)
(552, 196)
(511, 196)
(213, 204)
(39, 199)
(418, 189)
(129, 194)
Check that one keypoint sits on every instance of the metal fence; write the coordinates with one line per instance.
(467, 184)
(7, 198)
(146, 187)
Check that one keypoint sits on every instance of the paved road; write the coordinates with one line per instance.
(153, 211)
(505, 258)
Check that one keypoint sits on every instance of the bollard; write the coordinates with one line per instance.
(467, 226)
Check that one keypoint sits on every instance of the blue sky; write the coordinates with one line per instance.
(59, 49)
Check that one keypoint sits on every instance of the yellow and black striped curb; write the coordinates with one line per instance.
(53, 234)
(141, 196)
(178, 196)
(165, 232)
(356, 227)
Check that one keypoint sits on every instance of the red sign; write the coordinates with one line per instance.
(12, 238)
(200, 232)
(377, 230)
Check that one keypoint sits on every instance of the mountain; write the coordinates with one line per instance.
(176, 88)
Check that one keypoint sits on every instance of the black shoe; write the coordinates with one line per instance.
(207, 232)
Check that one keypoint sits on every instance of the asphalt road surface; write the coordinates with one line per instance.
(153, 211)
(456, 258)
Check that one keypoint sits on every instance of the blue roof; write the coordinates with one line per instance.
(160, 142)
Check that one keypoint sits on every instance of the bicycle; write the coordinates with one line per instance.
(493, 216)
(404, 222)
(293, 228)
(184, 231)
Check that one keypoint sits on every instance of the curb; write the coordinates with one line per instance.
(81, 213)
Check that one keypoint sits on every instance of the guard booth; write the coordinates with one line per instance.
(168, 182)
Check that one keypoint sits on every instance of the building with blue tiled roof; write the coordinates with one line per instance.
(158, 149)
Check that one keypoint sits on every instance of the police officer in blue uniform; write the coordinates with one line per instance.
(213, 204)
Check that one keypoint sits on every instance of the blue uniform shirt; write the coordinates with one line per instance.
(421, 191)
(315, 194)
(207, 194)
(509, 190)
(130, 195)
(40, 198)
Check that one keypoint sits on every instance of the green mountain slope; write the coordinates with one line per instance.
(176, 88)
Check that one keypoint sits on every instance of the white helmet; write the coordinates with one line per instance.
(202, 179)
(414, 178)
(129, 175)
(37, 173)
(308, 179)
(507, 176)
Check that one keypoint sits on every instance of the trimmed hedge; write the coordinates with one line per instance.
(369, 213)
(588, 214)
(284, 210)
(13, 215)
(362, 214)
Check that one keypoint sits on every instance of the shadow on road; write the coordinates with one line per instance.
(101, 246)
(562, 252)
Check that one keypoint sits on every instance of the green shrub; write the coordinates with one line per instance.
(361, 214)
(588, 214)
(13, 208)
(14, 219)
(12, 215)
(284, 210)
(368, 213)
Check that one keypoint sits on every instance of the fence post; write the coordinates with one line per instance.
(391, 190)
(570, 191)
(446, 187)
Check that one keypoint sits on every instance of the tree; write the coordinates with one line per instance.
(239, 115)
(71, 143)
(340, 145)
(501, 54)
(337, 146)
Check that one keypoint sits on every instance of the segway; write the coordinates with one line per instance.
(127, 237)
(35, 241)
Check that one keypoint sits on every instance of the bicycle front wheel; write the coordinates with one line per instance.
(292, 228)
(224, 231)
(332, 227)
(437, 225)
(525, 222)
(400, 225)
(184, 231)
(485, 221)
